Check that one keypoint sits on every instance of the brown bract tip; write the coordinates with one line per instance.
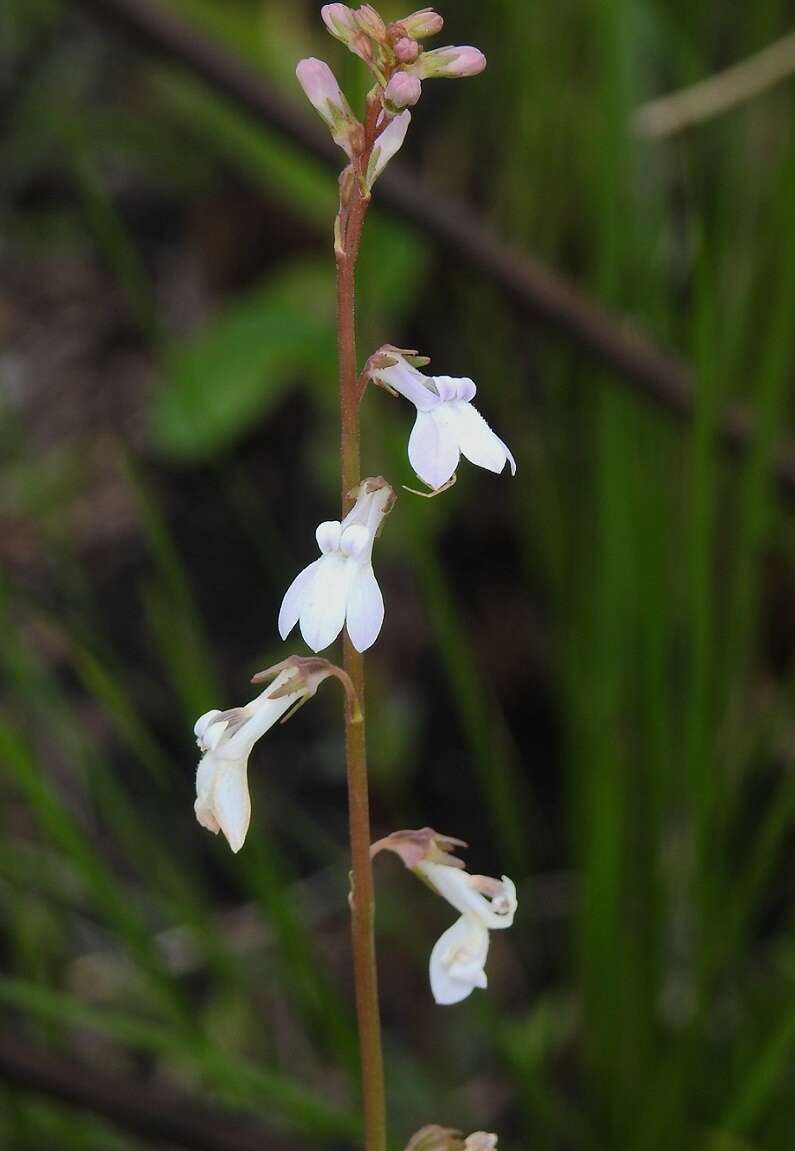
(415, 847)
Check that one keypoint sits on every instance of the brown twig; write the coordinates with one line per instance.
(175, 1119)
(649, 371)
(718, 94)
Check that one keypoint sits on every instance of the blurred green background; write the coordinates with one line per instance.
(586, 672)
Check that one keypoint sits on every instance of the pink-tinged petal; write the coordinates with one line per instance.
(326, 602)
(477, 441)
(231, 802)
(294, 599)
(433, 447)
(365, 609)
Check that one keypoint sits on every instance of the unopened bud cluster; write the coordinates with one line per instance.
(399, 62)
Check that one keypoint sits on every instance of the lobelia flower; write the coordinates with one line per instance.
(226, 740)
(458, 960)
(327, 98)
(340, 588)
(447, 425)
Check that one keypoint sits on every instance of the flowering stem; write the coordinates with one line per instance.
(362, 896)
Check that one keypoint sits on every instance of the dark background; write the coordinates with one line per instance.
(585, 672)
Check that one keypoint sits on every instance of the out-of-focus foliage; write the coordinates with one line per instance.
(587, 673)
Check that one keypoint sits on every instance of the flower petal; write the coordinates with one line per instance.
(457, 961)
(387, 145)
(294, 599)
(365, 609)
(326, 602)
(477, 441)
(433, 447)
(205, 778)
(231, 802)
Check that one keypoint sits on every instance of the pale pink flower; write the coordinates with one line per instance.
(327, 98)
(449, 63)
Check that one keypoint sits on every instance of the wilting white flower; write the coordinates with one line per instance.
(226, 740)
(340, 588)
(387, 146)
(447, 426)
(326, 97)
(458, 959)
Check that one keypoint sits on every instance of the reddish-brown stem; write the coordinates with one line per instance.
(362, 895)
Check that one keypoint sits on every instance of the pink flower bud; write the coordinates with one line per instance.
(402, 91)
(422, 24)
(340, 21)
(371, 23)
(450, 63)
(407, 50)
(326, 97)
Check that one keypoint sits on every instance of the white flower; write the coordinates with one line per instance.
(340, 588)
(387, 146)
(458, 960)
(227, 738)
(447, 426)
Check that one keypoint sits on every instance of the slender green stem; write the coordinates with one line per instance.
(362, 895)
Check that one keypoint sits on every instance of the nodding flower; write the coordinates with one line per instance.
(227, 738)
(458, 959)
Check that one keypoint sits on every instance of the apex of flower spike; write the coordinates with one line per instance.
(415, 847)
(451, 63)
(419, 25)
